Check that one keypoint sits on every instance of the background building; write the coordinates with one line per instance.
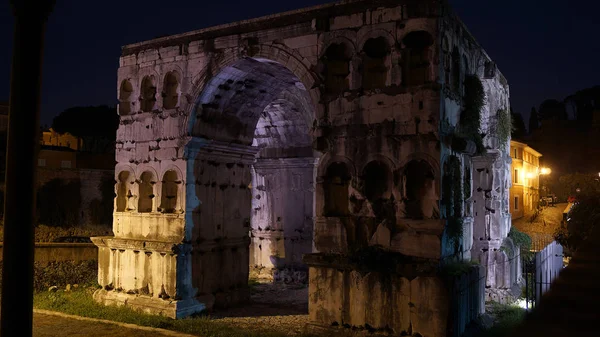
(525, 189)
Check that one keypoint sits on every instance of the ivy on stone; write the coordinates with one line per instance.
(470, 118)
(452, 199)
(505, 126)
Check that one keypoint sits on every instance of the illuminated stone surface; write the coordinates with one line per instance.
(311, 131)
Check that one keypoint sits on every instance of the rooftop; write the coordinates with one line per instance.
(288, 18)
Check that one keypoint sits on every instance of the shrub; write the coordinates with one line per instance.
(61, 273)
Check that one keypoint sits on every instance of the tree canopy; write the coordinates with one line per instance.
(519, 131)
(90, 121)
(552, 109)
(534, 123)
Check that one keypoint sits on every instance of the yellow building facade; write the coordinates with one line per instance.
(53, 138)
(525, 189)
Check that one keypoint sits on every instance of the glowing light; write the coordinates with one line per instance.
(545, 170)
(530, 175)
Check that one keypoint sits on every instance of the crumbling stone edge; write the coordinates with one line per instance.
(104, 321)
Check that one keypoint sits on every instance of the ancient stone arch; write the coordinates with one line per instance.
(258, 167)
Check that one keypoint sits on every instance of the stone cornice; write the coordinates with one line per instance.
(284, 163)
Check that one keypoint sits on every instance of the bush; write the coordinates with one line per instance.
(45, 233)
(61, 273)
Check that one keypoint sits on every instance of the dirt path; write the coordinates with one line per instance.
(280, 306)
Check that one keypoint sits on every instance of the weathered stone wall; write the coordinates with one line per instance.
(93, 197)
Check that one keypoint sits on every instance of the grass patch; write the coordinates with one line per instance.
(80, 302)
(507, 318)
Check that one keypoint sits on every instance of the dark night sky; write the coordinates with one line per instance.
(546, 49)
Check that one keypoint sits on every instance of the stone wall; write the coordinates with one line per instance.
(413, 300)
(85, 195)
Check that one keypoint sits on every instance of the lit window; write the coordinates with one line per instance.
(65, 164)
(41, 162)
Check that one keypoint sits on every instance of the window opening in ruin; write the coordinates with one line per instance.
(335, 188)
(374, 67)
(447, 61)
(168, 202)
(456, 73)
(419, 180)
(337, 68)
(122, 191)
(170, 91)
(146, 193)
(376, 178)
(125, 93)
(416, 58)
(489, 70)
(148, 98)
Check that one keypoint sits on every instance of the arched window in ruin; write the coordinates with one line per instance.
(465, 71)
(335, 188)
(376, 178)
(125, 93)
(148, 97)
(168, 198)
(374, 69)
(416, 58)
(456, 73)
(146, 193)
(337, 68)
(170, 91)
(447, 60)
(123, 191)
(419, 186)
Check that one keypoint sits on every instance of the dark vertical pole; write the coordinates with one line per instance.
(16, 317)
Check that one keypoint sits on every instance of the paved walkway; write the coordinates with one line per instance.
(51, 324)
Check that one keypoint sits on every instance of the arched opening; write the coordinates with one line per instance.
(148, 97)
(456, 73)
(376, 178)
(375, 54)
(170, 91)
(335, 188)
(125, 92)
(337, 68)
(416, 58)
(168, 196)
(123, 191)
(146, 188)
(447, 60)
(419, 183)
(257, 179)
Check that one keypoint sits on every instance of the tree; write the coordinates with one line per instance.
(91, 121)
(519, 130)
(534, 123)
(569, 183)
(584, 102)
(584, 218)
(552, 109)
